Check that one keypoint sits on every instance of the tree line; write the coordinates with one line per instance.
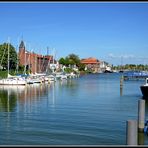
(68, 61)
(135, 67)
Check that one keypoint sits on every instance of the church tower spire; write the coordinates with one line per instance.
(22, 45)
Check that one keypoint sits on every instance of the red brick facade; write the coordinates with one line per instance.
(35, 62)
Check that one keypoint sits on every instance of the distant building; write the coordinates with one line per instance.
(92, 64)
(36, 63)
(105, 66)
(95, 65)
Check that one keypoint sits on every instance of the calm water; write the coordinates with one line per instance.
(89, 110)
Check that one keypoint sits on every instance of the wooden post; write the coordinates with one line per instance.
(140, 138)
(121, 85)
(121, 82)
(131, 132)
(141, 115)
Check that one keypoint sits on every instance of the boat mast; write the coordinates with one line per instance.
(17, 50)
(25, 59)
(48, 64)
(53, 68)
(29, 60)
(17, 61)
(35, 63)
(8, 55)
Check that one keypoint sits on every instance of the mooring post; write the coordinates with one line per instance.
(131, 132)
(141, 115)
(121, 82)
(140, 138)
(121, 85)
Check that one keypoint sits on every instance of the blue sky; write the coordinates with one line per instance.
(116, 32)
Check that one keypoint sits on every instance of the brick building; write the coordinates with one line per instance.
(36, 63)
(91, 64)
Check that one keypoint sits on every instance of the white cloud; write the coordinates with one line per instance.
(111, 55)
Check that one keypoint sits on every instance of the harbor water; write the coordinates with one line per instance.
(89, 110)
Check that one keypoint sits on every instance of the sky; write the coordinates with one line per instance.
(116, 32)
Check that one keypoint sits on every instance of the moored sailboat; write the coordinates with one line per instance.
(12, 80)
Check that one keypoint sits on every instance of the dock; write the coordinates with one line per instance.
(135, 75)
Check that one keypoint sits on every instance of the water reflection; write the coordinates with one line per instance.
(10, 96)
(121, 91)
(69, 112)
(51, 95)
(34, 91)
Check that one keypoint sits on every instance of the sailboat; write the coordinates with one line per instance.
(12, 80)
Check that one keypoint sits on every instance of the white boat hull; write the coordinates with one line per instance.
(12, 82)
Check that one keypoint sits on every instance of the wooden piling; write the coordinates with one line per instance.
(121, 82)
(141, 115)
(121, 85)
(140, 138)
(131, 132)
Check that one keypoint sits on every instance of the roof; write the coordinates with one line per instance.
(90, 61)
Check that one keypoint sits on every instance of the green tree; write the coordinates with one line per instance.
(67, 61)
(81, 67)
(62, 61)
(4, 56)
(73, 59)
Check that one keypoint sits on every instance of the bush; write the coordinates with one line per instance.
(68, 70)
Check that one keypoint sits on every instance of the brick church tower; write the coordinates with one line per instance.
(22, 53)
(36, 63)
